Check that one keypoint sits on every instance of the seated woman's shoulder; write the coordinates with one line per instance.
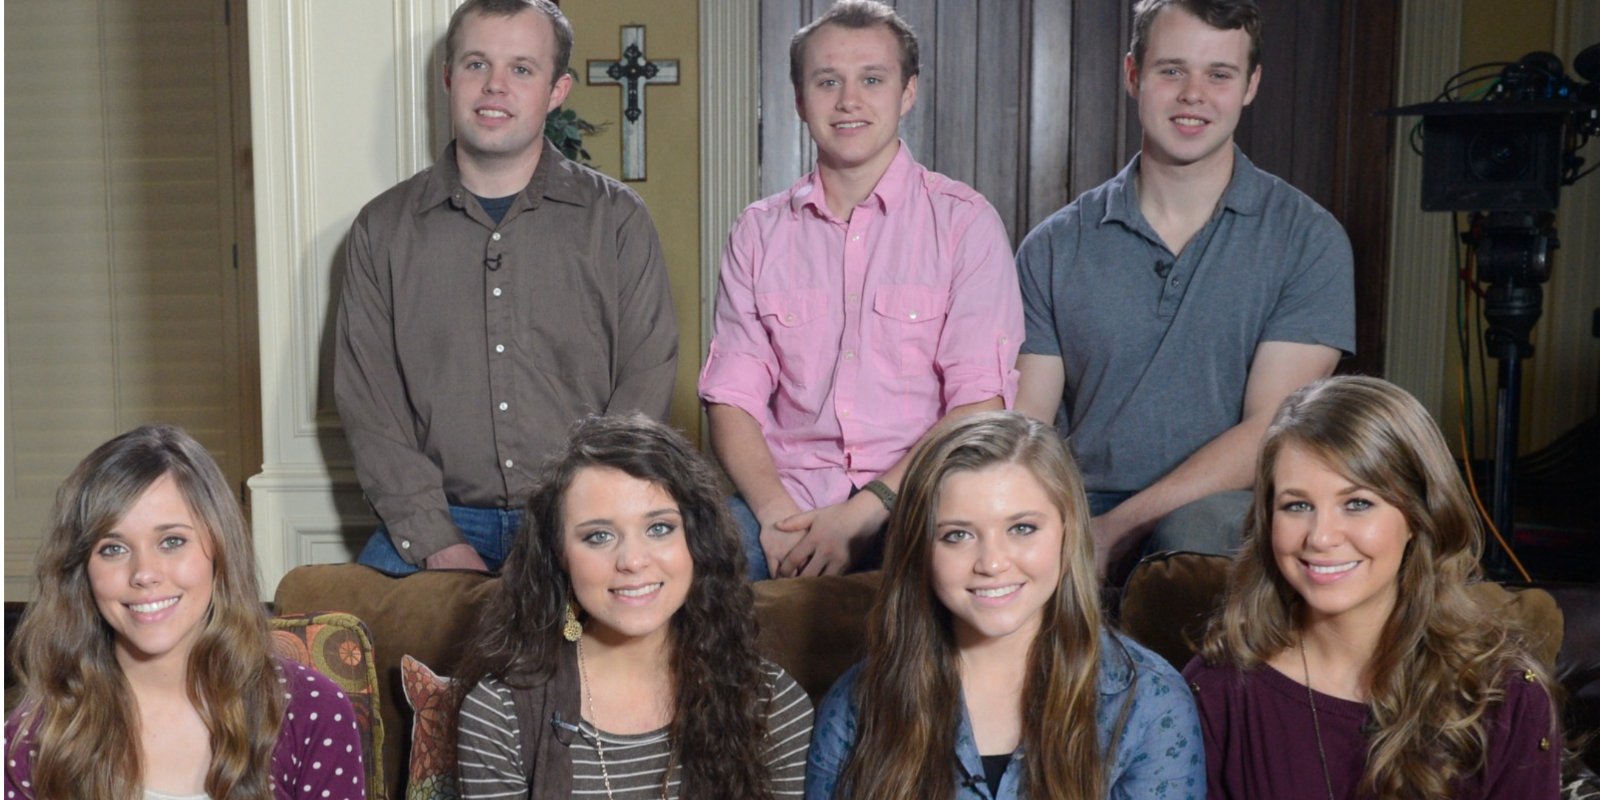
(787, 694)
(1119, 653)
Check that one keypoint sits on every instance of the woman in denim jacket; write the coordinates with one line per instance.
(986, 643)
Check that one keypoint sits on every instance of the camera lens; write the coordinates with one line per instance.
(1499, 156)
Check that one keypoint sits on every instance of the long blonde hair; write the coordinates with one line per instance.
(910, 685)
(1441, 656)
(79, 714)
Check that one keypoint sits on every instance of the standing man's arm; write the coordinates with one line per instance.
(974, 365)
(646, 354)
(1226, 462)
(405, 487)
(1039, 390)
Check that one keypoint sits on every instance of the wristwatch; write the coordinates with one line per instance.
(882, 491)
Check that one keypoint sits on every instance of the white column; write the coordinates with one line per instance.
(730, 125)
(343, 106)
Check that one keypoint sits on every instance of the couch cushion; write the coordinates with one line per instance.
(815, 628)
(340, 647)
(432, 771)
(1170, 596)
(427, 615)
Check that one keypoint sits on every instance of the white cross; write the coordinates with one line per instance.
(633, 72)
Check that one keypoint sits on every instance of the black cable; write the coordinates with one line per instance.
(1487, 65)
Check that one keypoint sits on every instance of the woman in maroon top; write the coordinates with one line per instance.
(1349, 659)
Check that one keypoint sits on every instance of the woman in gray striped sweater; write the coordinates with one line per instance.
(616, 658)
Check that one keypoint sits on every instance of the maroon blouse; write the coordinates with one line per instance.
(1260, 741)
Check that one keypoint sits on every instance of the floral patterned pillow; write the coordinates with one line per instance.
(433, 754)
(339, 646)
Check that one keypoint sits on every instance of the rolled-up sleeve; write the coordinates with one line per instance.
(977, 353)
(404, 486)
(647, 336)
(741, 368)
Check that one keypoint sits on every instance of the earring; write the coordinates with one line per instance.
(572, 630)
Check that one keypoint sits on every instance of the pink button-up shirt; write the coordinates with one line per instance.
(848, 340)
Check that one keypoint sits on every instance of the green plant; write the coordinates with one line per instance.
(565, 129)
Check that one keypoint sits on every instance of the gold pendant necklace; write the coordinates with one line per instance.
(1315, 726)
(594, 720)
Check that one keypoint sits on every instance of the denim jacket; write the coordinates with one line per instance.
(1159, 754)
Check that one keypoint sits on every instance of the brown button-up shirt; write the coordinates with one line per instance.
(466, 349)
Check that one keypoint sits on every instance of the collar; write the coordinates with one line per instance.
(556, 178)
(1117, 669)
(1246, 193)
(894, 185)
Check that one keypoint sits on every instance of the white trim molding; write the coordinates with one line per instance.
(335, 121)
(730, 127)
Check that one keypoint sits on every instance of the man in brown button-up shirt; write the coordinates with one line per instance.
(489, 302)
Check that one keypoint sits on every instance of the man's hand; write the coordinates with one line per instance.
(456, 556)
(777, 542)
(834, 537)
(1115, 541)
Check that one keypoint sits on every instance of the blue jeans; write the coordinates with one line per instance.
(750, 536)
(490, 531)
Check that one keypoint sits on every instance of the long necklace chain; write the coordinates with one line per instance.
(594, 717)
(1315, 725)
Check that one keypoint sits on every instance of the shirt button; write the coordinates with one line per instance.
(1175, 281)
(496, 291)
(495, 236)
(788, 318)
(849, 354)
(504, 406)
(844, 413)
(508, 463)
(405, 544)
(499, 348)
(913, 315)
(856, 238)
(854, 297)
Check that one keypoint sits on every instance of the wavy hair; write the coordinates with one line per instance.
(719, 716)
(79, 707)
(1441, 656)
(910, 683)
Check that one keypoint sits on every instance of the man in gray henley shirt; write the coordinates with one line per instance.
(1171, 309)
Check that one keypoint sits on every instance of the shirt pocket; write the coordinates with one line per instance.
(794, 320)
(911, 318)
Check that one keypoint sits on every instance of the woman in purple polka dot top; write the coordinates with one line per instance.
(144, 659)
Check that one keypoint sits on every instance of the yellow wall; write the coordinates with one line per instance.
(672, 187)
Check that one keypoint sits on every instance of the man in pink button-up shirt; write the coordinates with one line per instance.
(856, 310)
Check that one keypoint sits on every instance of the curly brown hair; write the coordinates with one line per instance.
(719, 720)
(1442, 656)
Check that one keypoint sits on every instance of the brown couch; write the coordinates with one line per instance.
(813, 627)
